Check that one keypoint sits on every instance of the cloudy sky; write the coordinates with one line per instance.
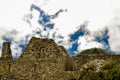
(75, 24)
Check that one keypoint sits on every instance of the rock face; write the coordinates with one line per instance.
(94, 65)
(6, 51)
(43, 59)
(93, 54)
(100, 70)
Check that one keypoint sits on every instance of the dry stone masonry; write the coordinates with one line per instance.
(43, 59)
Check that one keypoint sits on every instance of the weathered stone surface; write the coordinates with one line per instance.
(82, 59)
(43, 59)
(6, 51)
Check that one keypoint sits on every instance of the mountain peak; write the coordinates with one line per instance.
(94, 51)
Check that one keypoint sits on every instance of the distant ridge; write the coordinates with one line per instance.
(94, 51)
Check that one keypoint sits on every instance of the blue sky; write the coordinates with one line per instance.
(76, 25)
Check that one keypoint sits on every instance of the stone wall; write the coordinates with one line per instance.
(83, 58)
(43, 59)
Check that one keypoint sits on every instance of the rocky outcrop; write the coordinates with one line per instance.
(94, 65)
(100, 70)
(93, 54)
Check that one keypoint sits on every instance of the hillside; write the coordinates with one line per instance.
(96, 64)
(90, 51)
(100, 70)
(98, 51)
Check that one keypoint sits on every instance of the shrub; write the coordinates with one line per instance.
(110, 71)
(109, 65)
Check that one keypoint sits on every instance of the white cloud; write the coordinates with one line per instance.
(15, 15)
(98, 12)
(88, 41)
(11, 18)
(114, 32)
(12, 12)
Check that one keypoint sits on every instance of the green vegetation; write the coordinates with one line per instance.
(89, 51)
(109, 71)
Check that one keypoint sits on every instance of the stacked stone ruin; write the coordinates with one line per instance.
(43, 59)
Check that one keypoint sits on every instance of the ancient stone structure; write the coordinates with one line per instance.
(6, 51)
(43, 59)
(95, 54)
